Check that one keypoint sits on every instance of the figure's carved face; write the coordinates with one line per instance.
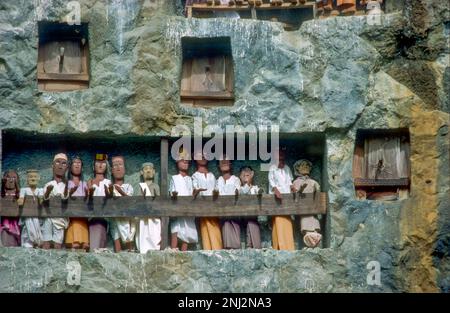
(183, 165)
(59, 167)
(10, 180)
(100, 167)
(304, 168)
(76, 167)
(225, 165)
(33, 179)
(281, 158)
(246, 177)
(200, 159)
(118, 168)
(148, 172)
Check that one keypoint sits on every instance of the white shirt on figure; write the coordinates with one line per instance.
(249, 190)
(125, 226)
(184, 226)
(58, 191)
(202, 181)
(280, 178)
(229, 186)
(99, 190)
(149, 229)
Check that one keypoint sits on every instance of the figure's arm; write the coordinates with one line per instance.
(48, 190)
(21, 199)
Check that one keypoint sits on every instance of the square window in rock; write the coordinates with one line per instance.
(63, 57)
(381, 165)
(207, 73)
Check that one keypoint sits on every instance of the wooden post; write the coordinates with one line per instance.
(189, 12)
(314, 10)
(164, 190)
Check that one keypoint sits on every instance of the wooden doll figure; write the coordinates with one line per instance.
(280, 182)
(125, 227)
(99, 186)
(77, 235)
(204, 183)
(182, 228)
(9, 227)
(228, 184)
(148, 236)
(53, 228)
(309, 225)
(31, 226)
(247, 187)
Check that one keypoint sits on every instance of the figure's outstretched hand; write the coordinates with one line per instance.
(293, 189)
(48, 191)
(277, 193)
(20, 201)
(215, 194)
(73, 190)
(174, 195)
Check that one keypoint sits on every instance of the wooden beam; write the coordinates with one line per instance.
(137, 206)
(364, 182)
(58, 76)
(264, 6)
(194, 95)
(164, 155)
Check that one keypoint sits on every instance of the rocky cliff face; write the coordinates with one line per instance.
(333, 76)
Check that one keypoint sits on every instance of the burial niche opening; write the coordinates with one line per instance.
(207, 77)
(63, 55)
(381, 164)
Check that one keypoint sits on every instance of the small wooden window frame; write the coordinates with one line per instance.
(207, 98)
(377, 189)
(63, 81)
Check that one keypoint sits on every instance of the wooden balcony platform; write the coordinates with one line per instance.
(247, 7)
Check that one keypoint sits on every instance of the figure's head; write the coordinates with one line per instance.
(183, 160)
(101, 164)
(118, 167)
(225, 164)
(60, 165)
(10, 179)
(33, 178)
(281, 157)
(147, 171)
(200, 158)
(76, 166)
(302, 167)
(246, 175)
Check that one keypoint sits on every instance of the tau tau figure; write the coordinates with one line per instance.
(148, 236)
(247, 187)
(204, 183)
(228, 184)
(9, 227)
(31, 236)
(99, 187)
(53, 228)
(77, 234)
(309, 225)
(124, 229)
(280, 182)
(182, 228)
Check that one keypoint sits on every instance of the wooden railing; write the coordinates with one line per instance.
(138, 206)
(247, 7)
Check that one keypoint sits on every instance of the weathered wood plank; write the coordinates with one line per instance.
(164, 154)
(207, 95)
(62, 76)
(363, 182)
(137, 206)
(264, 6)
